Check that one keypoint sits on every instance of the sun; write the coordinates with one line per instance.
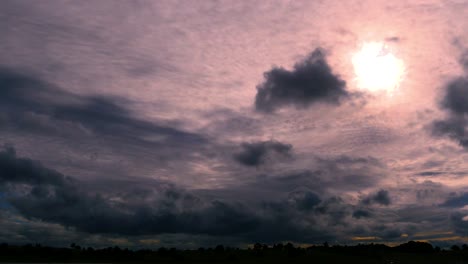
(377, 69)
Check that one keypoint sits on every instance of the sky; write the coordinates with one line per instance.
(197, 123)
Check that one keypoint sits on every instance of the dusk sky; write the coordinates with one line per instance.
(197, 123)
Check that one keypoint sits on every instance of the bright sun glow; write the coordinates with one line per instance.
(377, 69)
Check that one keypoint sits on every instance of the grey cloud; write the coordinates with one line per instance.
(293, 212)
(460, 225)
(381, 197)
(350, 173)
(41, 29)
(304, 200)
(426, 194)
(301, 215)
(311, 81)
(97, 215)
(335, 210)
(456, 96)
(464, 60)
(455, 102)
(456, 201)
(393, 39)
(361, 214)
(22, 170)
(148, 211)
(327, 175)
(71, 206)
(258, 153)
(30, 105)
(412, 214)
(430, 173)
(284, 222)
(453, 127)
(230, 123)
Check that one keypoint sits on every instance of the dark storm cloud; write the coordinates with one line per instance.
(381, 197)
(350, 173)
(336, 211)
(21, 170)
(282, 221)
(304, 200)
(456, 97)
(361, 214)
(311, 81)
(455, 102)
(326, 175)
(148, 211)
(430, 173)
(292, 211)
(67, 203)
(258, 153)
(297, 207)
(99, 215)
(453, 127)
(29, 104)
(301, 215)
(414, 213)
(344, 161)
(459, 223)
(456, 201)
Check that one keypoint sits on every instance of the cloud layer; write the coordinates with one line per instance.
(131, 123)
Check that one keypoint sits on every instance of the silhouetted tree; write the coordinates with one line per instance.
(257, 247)
(259, 253)
(219, 249)
(278, 247)
(455, 248)
(415, 247)
(464, 247)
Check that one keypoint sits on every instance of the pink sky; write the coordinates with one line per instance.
(154, 97)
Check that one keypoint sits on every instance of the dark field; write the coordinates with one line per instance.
(411, 252)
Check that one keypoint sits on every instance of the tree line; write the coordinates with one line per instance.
(410, 252)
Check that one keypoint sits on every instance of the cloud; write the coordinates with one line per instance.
(347, 173)
(456, 201)
(311, 81)
(295, 207)
(22, 170)
(456, 97)
(92, 128)
(304, 200)
(455, 102)
(460, 225)
(361, 214)
(258, 153)
(22, 95)
(430, 173)
(393, 39)
(150, 212)
(381, 197)
(49, 196)
(325, 176)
